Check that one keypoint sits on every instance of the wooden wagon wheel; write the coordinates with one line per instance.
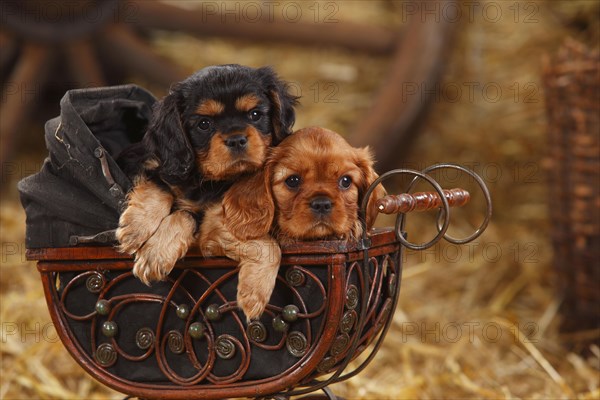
(97, 38)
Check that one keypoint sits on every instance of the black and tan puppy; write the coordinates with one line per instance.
(212, 128)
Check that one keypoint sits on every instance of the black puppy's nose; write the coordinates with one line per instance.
(236, 142)
(321, 205)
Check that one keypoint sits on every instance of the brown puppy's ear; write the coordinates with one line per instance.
(364, 160)
(248, 206)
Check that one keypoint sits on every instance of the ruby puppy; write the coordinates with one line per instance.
(310, 189)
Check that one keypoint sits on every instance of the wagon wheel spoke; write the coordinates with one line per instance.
(124, 48)
(352, 36)
(391, 125)
(8, 52)
(84, 64)
(21, 91)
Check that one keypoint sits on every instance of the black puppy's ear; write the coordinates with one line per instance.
(282, 101)
(167, 141)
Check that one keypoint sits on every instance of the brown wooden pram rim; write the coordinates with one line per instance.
(379, 237)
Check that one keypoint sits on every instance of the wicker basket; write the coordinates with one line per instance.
(572, 86)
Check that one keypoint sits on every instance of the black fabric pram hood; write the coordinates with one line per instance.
(72, 197)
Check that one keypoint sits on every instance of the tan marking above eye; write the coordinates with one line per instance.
(247, 102)
(210, 107)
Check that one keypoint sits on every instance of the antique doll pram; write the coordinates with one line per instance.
(184, 337)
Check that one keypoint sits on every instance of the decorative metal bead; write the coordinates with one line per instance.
(295, 277)
(105, 355)
(326, 364)
(290, 313)
(212, 312)
(351, 297)
(348, 321)
(296, 344)
(175, 342)
(110, 328)
(225, 348)
(340, 344)
(94, 283)
(196, 330)
(103, 307)
(256, 331)
(279, 324)
(144, 338)
(183, 311)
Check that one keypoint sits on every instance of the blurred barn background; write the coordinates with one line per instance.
(513, 315)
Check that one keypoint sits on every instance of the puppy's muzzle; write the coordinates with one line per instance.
(321, 206)
(237, 143)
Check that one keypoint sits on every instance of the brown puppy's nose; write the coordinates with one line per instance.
(321, 205)
(237, 142)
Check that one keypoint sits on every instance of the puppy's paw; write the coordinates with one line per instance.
(257, 277)
(157, 257)
(253, 300)
(147, 207)
(130, 234)
(147, 270)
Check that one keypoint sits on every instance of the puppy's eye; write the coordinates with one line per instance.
(345, 182)
(255, 115)
(204, 124)
(293, 181)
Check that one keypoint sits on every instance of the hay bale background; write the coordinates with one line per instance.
(480, 321)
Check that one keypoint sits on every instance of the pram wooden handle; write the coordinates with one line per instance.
(422, 201)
